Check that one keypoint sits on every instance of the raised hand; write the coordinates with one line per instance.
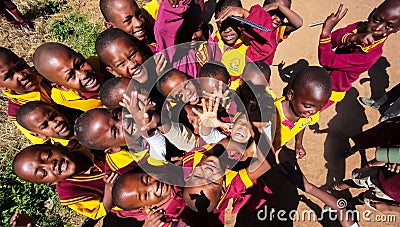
(272, 6)
(161, 62)
(209, 116)
(153, 219)
(141, 112)
(232, 11)
(218, 93)
(332, 20)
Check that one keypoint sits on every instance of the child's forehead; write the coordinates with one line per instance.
(8, 58)
(123, 4)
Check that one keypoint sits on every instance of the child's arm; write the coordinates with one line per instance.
(107, 199)
(300, 151)
(260, 165)
(296, 177)
(382, 206)
(295, 21)
(329, 200)
(153, 219)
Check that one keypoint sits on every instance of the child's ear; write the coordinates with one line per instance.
(110, 70)
(60, 87)
(108, 25)
(112, 150)
(38, 135)
(290, 94)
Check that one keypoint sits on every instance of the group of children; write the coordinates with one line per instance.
(166, 126)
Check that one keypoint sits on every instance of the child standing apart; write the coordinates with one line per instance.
(300, 107)
(358, 46)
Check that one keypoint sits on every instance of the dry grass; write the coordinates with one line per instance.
(41, 12)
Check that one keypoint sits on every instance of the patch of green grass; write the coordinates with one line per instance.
(77, 32)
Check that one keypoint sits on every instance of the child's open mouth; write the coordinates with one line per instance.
(138, 33)
(229, 37)
(92, 82)
(62, 165)
(137, 72)
(63, 129)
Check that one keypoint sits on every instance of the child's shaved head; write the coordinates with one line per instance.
(103, 129)
(215, 69)
(258, 73)
(112, 91)
(65, 68)
(137, 189)
(45, 54)
(313, 77)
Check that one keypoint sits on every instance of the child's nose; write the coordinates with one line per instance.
(81, 74)
(136, 22)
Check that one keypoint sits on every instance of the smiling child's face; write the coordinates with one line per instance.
(307, 101)
(125, 59)
(144, 191)
(277, 16)
(50, 164)
(181, 89)
(49, 122)
(385, 20)
(16, 75)
(72, 71)
(127, 17)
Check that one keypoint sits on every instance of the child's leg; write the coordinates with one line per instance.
(12, 8)
(7, 15)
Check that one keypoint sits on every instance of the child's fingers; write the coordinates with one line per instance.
(210, 103)
(339, 9)
(196, 112)
(207, 94)
(203, 102)
(216, 105)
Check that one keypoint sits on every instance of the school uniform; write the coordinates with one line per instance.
(17, 100)
(76, 100)
(285, 129)
(348, 61)
(84, 191)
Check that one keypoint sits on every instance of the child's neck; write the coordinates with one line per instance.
(288, 112)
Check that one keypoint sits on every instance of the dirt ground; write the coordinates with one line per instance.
(345, 119)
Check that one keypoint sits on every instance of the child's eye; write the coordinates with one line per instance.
(49, 155)
(52, 116)
(44, 173)
(132, 55)
(128, 19)
(9, 75)
(71, 76)
(115, 132)
(44, 125)
(389, 26)
(122, 63)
